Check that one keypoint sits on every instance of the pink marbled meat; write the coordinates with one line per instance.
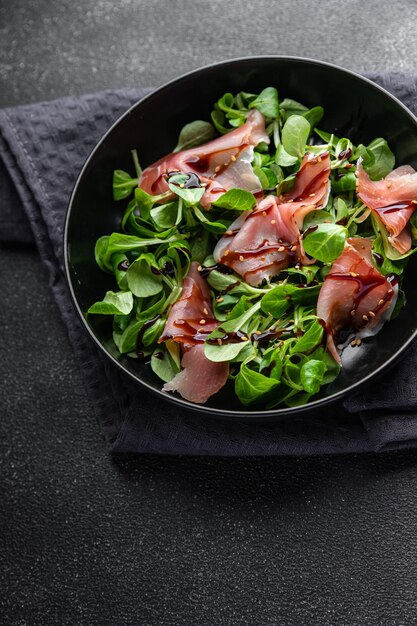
(231, 155)
(393, 200)
(354, 295)
(200, 378)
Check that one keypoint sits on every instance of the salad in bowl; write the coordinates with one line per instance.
(256, 251)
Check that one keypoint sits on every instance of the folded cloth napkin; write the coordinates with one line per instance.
(42, 149)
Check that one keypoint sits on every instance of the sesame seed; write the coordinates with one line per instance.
(388, 184)
(182, 185)
(371, 314)
(311, 195)
(352, 312)
(226, 164)
(414, 201)
(200, 330)
(290, 200)
(273, 221)
(233, 158)
(353, 274)
(258, 332)
(200, 268)
(241, 258)
(319, 159)
(263, 213)
(219, 299)
(263, 258)
(358, 342)
(228, 232)
(202, 321)
(244, 339)
(365, 318)
(281, 249)
(226, 252)
(381, 301)
(217, 168)
(353, 343)
(219, 341)
(205, 311)
(293, 248)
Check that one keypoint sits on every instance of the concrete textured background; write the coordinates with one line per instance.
(87, 540)
(51, 48)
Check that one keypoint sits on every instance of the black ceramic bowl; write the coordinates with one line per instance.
(353, 106)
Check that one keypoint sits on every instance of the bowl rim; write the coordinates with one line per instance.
(202, 408)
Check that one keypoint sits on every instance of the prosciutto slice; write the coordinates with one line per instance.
(354, 295)
(189, 322)
(191, 317)
(220, 164)
(200, 378)
(393, 199)
(267, 240)
(311, 188)
(259, 244)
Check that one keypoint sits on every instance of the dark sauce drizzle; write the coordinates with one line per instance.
(379, 259)
(310, 229)
(219, 267)
(123, 265)
(393, 208)
(235, 337)
(167, 269)
(366, 284)
(344, 154)
(193, 181)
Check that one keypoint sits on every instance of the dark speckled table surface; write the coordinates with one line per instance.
(87, 540)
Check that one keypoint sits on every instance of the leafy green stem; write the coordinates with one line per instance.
(136, 163)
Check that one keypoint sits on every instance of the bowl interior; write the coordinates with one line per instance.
(353, 107)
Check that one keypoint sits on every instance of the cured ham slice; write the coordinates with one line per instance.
(259, 244)
(267, 240)
(393, 199)
(354, 295)
(221, 164)
(189, 322)
(311, 188)
(191, 318)
(200, 378)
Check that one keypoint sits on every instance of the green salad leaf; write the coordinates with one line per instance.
(325, 243)
(123, 184)
(143, 276)
(312, 375)
(163, 365)
(295, 134)
(267, 103)
(251, 386)
(383, 161)
(236, 200)
(194, 134)
(113, 303)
